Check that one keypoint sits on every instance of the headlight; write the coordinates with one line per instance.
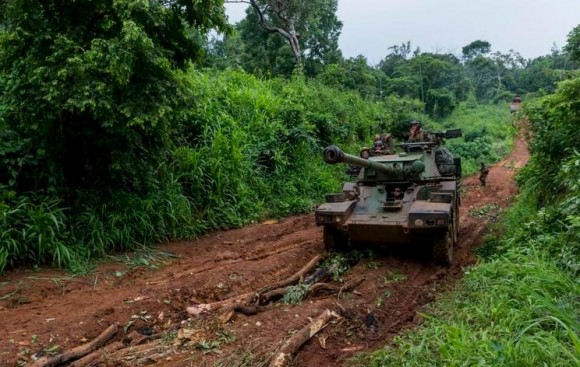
(337, 219)
(419, 222)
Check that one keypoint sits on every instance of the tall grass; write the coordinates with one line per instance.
(508, 312)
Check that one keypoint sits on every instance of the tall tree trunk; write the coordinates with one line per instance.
(289, 34)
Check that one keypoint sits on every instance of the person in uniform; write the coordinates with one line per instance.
(377, 145)
(416, 135)
(398, 193)
(364, 153)
(515, 105)
(388, 143)
(483, 172)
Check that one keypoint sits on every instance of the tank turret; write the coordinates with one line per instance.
(407, 198)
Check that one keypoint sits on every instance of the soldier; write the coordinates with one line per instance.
(364, 153)
(378, 147)
(398, 193)
(388, 143)
(483, 172)
(377, 144)
(515, 105)
(416, 135)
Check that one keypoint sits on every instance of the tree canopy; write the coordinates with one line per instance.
(476, 48)
(90, 86)
(573, 45)
(279, 36)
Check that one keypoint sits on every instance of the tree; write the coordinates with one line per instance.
(397, 57)
(354, 74)
(437, 80)
(475, 48)
(573, 45)
(310, 30)
(483, 74)
(280, 17)
(91, 86)
(442, 82)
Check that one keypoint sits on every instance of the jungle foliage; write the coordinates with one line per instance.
(520, 306)
(440, 81)
(112, 136)
(230, 150)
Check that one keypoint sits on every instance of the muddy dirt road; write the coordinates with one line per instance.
(45, 312)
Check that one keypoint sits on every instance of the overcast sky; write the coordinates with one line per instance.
(530, 27)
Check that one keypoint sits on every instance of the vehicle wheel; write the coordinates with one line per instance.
(443, 247)
(334, 239)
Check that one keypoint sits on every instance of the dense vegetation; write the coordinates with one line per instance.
(520, 306)
(121, 125)
(112, 135)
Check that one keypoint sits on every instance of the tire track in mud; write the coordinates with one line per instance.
(226, 261)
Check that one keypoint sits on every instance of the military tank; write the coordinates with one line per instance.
(410, 198)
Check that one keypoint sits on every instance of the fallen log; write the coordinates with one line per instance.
(284, 355)
(272, 295)
(319, 287)
(97, 356)
(244, 299)
(79, 351)
(138, 351)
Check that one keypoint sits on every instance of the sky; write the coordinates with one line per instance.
(370, 27)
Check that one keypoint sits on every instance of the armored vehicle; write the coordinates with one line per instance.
(410, 198)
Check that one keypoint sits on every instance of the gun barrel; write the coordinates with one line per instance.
(333, 154)
(453, 133)
(447, 134)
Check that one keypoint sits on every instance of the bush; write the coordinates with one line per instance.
(243, 150)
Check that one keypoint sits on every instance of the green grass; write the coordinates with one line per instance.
(488, 134)
(518, 310)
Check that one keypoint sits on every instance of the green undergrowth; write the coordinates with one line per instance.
(518, 310)
(488, 134)
(519, 306)
(242, 150)
(239, 150)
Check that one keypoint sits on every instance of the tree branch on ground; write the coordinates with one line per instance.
(284, 355)
(79, 351)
